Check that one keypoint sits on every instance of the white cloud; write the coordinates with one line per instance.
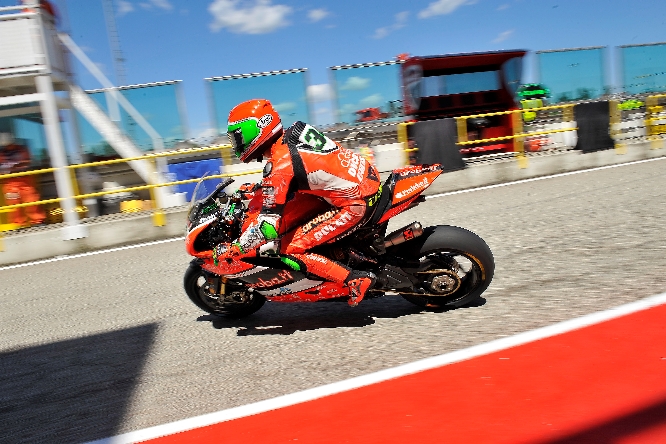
(124, 7)
(320, 93)
(503, 36)
(317, 14)
(355, 84)
(261, 17)
(162, 4)
(370, 101)
(283, 107)
(443, 7)
(400, 22)
(503, 7)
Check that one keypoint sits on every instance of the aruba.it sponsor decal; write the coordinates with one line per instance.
(284, 277)
(331, 227)
(414, 187)
(319, 219)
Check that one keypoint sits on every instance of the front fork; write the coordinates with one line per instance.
(215, 285)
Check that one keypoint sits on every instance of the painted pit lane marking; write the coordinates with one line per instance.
(534, 179)
(91, 253)
(385, 375)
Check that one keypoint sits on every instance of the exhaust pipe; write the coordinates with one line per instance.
(404, 234)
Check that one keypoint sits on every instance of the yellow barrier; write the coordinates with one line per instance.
(404, 139)
(158, 215)
(519, 142)
(615, 119)
(518, 135)
(653, 130)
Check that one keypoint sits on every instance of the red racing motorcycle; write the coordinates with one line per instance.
(433, 267)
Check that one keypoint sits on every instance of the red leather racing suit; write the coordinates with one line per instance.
(309, 174)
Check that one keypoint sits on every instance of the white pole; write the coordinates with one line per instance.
(73, 230)
(158, 145)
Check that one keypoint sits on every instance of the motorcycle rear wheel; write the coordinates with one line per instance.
(460, 260)
(237, 303)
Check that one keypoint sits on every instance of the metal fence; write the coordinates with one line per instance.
(637, 119)
(521, 132)
(633, 120)
(154, 206)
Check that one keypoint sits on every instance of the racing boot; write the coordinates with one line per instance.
(359, 282)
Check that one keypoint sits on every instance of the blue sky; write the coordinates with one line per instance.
(190, 40)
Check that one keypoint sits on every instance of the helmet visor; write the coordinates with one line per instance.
(242, 134)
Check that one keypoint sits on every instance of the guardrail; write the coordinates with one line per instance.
(403, 138)
(519, 135)
(652, 121)
(634, 120)
(655, 120)
(158, 215)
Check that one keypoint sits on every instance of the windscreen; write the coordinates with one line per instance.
(203, 189)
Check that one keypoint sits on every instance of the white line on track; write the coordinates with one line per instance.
(384, 375)
(434, 196)
(91, 253)
(551, 176)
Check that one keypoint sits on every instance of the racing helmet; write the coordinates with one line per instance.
(252, 128)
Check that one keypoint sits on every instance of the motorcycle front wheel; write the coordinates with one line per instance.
(456, 267)
(236, 302)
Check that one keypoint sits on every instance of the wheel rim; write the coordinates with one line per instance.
(207, 292)
(448, 276)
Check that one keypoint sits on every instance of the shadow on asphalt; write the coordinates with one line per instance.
(288, 318)
(71, 391)
(639, 425)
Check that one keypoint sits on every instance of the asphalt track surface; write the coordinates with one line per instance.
(105, 344)
(542, 386)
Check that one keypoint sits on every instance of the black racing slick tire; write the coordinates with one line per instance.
(457, 266)
(236, 303)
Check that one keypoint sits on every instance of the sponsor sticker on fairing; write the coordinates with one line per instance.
(283, 277)
(413, 188)
(320, 259)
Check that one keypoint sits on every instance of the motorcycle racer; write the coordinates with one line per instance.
(301, 164)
